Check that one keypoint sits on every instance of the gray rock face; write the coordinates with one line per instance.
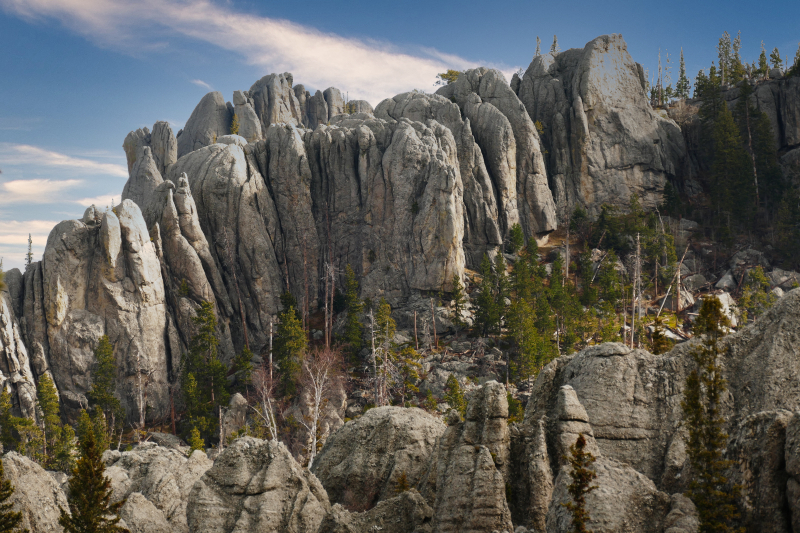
(482, 230)
(465, 480)
(37, 495)
(275, 101)
(624, 501)
(164, 146)
(537, 211)
(604, 141)
(335, 100)
(106, 279)
(144, 178)
(360, 464)
(359, 106)
(406, 513)
(210, 119)
(15, 368)
(157, 482)
(256, 485)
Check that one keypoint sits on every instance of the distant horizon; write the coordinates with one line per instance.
(80, 74)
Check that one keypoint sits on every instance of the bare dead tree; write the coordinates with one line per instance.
(228, 245)
(264, 387)
(322, 368)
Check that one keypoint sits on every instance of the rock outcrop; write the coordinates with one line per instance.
(210, 119)
(101, 276)
(465, 482)
(157, 482)
(361, 464)
(256, 486)
(16, 375)
(37, 495)
(603, 139)
(405, 513)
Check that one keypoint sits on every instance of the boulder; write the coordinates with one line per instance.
(682, 517)
(361, 463)
(256, 485)
(162, 476)
(603, 139)
(37, 495)
(694, 283)
(141, 516)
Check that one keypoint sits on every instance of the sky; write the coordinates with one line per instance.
(77, 75)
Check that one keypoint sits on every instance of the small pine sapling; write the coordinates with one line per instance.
(582, 476)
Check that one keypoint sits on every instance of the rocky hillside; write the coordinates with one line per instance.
(408, 195)
(482, 473)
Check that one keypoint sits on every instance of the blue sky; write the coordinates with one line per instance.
(77, 75)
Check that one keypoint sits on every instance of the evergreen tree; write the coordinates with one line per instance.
(732, 187)
(102, 393)
(290, 346)
(235, 125)
(196, 442)
(91, 510)
(582, 476)
(9, 519)
(795, 69)
(486, 315)
(775, 58)
(29, 255)
(709, 489)
(661, 344)
(459, 300)
(530, 351)
(204, 378)
(408, 367)
(454, 396)
(516, 239)
(725, 55)
(19, 433)
(763, 66)
(57, 437)
(96, 426)
(385, 326)
(554, 49)
(756, 296)
(683, 85)
(737, 69)
(446, 78)
(353, 329)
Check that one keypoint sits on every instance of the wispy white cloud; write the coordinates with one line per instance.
(35, 191)
(101, 202)
(366, 69)
(201, 83)
(25, 154)
(14, 240)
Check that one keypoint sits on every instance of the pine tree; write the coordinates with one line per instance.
(683, 85)
(661, 344)
(18, 433)
(763, 66)
(775, 58)
(204, 379)
(795, 69)
(102, 394)
(516, 239)
(29, 255)
(290, 346)
(235, 125)
(724, 55)
(9, 519)
(554, 49)
(486, 315)
(732, 187)
(454, 396)
(50, 416)
(737, 70)
(459, 300)
(353, 329)
(408, 367)
(196, 442)
(96, 426)
(91, 510)
(709, 489)
(385, 326)
(582, 476)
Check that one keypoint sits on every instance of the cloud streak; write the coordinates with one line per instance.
(35, 191)
(27, 155)
(201, 83)
(14, 240)
(369, 70)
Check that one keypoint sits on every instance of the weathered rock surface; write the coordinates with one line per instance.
(405, 513)
(465, 480)
(604, 140)
(256, 485)
(141, 516)
(16, 375)
(37, 495)
(210, 119)
(361, 463)
(522, 158)
(164, 477)
(103, 277)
